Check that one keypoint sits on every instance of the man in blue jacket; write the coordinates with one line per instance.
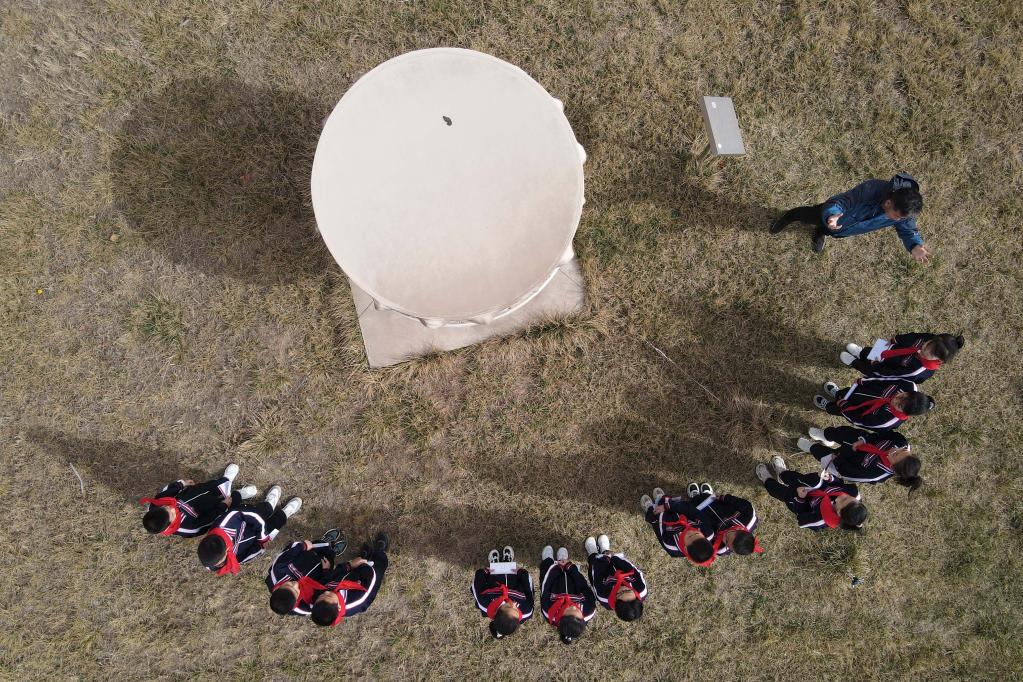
(868, 206)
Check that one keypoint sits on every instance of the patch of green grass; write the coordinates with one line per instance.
(159, 320)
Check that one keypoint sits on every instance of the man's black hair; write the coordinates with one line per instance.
(743, 542)
(907, 473)
(700, 550)
(853, 515)
(156, 519)
(907, 201)
(324, 612)
(629, 610)
(918, 403)
(211, 551)
(946, 346)
(571, 628)
(503, 624)
(282, 601)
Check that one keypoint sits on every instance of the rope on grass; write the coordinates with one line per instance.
(681, 371)
(80, 481)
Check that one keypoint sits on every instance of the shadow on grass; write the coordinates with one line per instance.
(216, 176)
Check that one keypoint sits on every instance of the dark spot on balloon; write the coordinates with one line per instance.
(446, 120)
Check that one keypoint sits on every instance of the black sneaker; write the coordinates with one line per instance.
(818, 241)
(381, 543)
(331, 536)
(340, 546)
(779, 225)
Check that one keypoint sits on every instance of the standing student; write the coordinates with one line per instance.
(875, 404)
(186, 509)
(298, 569)
(869, 206)
(352, 587)
(733, 520)
(679, 527)
(503, 593)
(857, 456)
(566, 600)
(244, 532)
(617, 582)
(908, 356)
(817, 502)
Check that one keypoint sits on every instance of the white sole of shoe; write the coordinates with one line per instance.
(853, 349)
(846, 358)
(779, 464)
(603, 543)
(562, 554)
(762, 472)
(818, 435)
(804, 444)
(658, 494)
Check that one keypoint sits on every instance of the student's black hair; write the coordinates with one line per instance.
(918, 403)
(324, 612)
(571, 628)
(282, 601)
(907, 473)
(700, 550)
(946, 346)
(503, 624)
(629, 610)
(907, 201)
(211, 551)
(156, 519)
(853, 516)
(743, 542)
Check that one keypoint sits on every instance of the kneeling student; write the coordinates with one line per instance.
(351, 587)
(906, 356)
(817, 503)
(566, 600)
(617, 582)
(504, 593)
(679, 528)
(186, 509)
(875, 404)
(732, 519)
(856, 456)
(244, 533)
(295, 571)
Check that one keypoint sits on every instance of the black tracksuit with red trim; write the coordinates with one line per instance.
(806, 509)
(251, 528)
(724, 512)
(557, 580)
(668, 535)
(370, 575)
(201, 505)
(854, 466)
(865, 390)
(295, 562)
(602, 576)
(520, 590)
(901, 367)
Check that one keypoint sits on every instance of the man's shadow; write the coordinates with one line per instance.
(216, 176)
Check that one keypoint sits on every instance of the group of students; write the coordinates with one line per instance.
(306, 579)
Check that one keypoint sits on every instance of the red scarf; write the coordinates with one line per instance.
(620, 578)
(719, 539)
(504, 598)
(874, 450)
(307, 586)
(231, 564)
(558, 608)
(872, 406)
(683, 522)
(828, 512)
(912, 350)
(170, 503)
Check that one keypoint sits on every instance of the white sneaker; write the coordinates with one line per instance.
(273, 496)
(603, 543)
(590, 545)
(547, 553)
(658, 495)
(494, 556)
(293, 505)
(247, 492)
(508, 554)
(804, 444)
(854, 349)
(645, 503)
(818, 435)
(830, 389)
(820, 402)
(562, 554)
(778, 464)
(231, 471)
(846, 358)
(763, 473)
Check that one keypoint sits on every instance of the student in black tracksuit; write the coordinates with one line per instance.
(505, 598)
(353, 586)
(875, 404)
(817, 503)
(244, 533)
(679, 528)
(617, 582)
(566, 600)
(733, 520)
(297, 570)
(857, 456)
(188, 510)
(909, 356)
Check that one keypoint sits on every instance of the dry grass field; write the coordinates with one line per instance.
(166, 307)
